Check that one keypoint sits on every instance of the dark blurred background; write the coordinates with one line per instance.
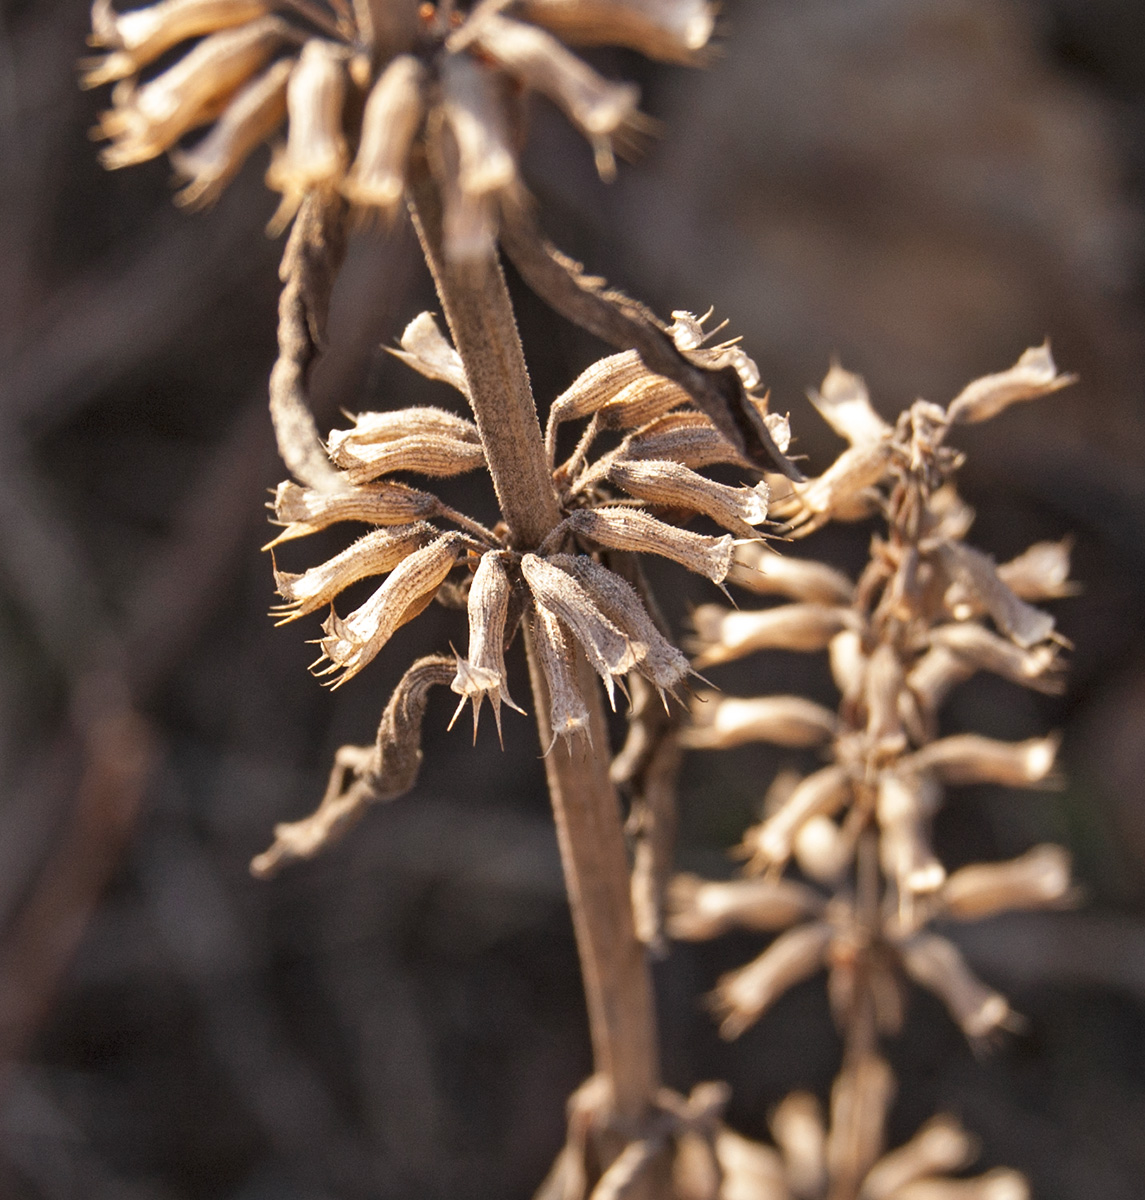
(922, 188)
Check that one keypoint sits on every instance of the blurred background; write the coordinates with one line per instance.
(922, 188)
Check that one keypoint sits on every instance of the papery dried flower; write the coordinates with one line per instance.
(762, 570)
(687, 438)
(970, 758)
(938, 965)
(720, 722)
(425, 348)
(568, 715)
(1041, 572)
(631, 529)
(1033, 375)
(939, 1147)
(799, 1132)
(820, 794)
(1037, 879)
(672, 485)
(304, 511)
(699, 910)
(723, 635)
(673, 30)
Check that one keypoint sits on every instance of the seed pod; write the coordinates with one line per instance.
(428, 441)
(743, 996)
(482, 673)
(937, 965)
(630, 529)
(860, 1097)
(641, 402)
(375, 428)
(904, 849)
(568, 714)
(845, 404)
(797, 1126)
(841, 493)
(1041, 572)
(999, 1184)
(249, 119)
(940, 1146)
(980, 650)
(606, 647)
(688, 438)
(723, 635)
(820, 794)
(720, 722)
(392, 117)
(1033, 375)
(304, 511)
(428, 351)
(975, 572)
(670, 30)
(760, 569)
(656, 658)
(139, 37)
(1037, 879)
(595, 386)
(147, 120)
(601, 110)
(315, 155)
(699, 909)
(970, 758)
(351, 643)
(675, 486)
(374, 554)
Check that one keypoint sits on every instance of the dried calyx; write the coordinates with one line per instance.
(615, 501)
(928, 612)
(362, 89)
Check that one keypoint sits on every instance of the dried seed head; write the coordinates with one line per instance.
(428, 351)
(1041, 572)
(671, 30)
(698, 910)
(860, 1097)
(593, 388)
(1033, 375)
(630, 529)
(482, 673)
(250, 118)
(391, 120)
(940, 1146)
(144, 121)
(743, 996)
(672, 485)
(760, 569)
(351, 643)
(842, 492)
(427, 441)
(720, 722)
(974, 574)
(978, 649)
(656, 658)
(374, 554)
(937, 965)
(606, 113)
(304, 511)
(686, 437)
(799, 1132)
(568, 715)
(688, 334)
(970, 758)
(821, 794)
(844, 403)
(641, 402)
(723, 635)
(1039, 878)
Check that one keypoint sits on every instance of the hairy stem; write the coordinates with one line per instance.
(587, 812)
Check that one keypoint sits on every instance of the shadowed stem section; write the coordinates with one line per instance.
(586, 809)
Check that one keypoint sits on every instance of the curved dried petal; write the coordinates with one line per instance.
(723, 634)
(720, 722)
(688, 335)
(670, 30)
(393, 115)
(934, 675)
(304, 510)
(1037, 879)
(741, 997)
(672, 485)
(970, 758)
(798, 1129)
(630, 529)
(352, 643)
(940, 1146)
(937, 965)
(568, 714)
(760, 569)
(429, 352)
(250, 118)
(821, 794)
(1033, 375)
(844, 403)
(374, 554)
(699, 909)
(147, 120)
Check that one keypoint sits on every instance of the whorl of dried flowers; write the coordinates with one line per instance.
(928, 612)
(363, 87)
(624, 500)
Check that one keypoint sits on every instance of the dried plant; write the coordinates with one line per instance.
(928, 612)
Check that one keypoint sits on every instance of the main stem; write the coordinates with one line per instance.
(585, 805)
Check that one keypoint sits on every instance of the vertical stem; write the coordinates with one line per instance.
(585, 805)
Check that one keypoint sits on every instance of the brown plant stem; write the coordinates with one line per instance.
(585, 805)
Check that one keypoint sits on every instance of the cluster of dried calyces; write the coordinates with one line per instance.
(625, 500)
(927, 613)
(361, 87)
